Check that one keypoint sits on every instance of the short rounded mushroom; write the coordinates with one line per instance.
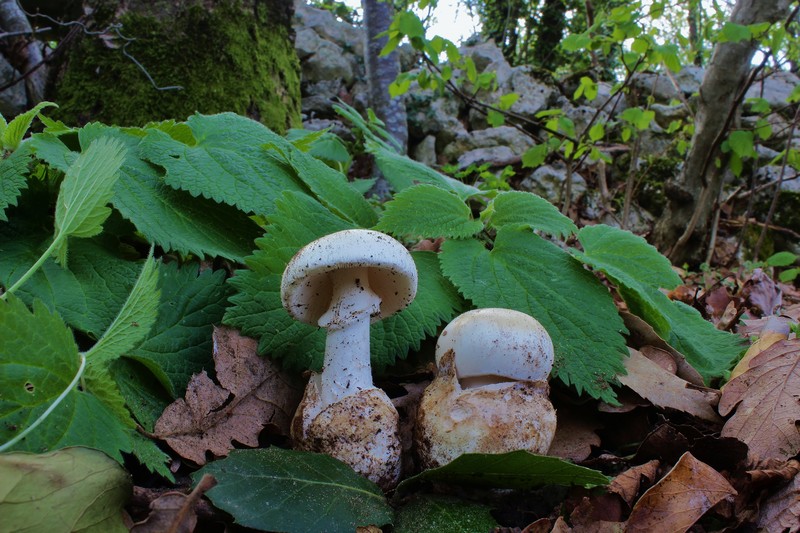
(343, 282)
(491, 392)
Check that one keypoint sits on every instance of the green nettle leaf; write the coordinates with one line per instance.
(87, 187)
(74, 489)
(432, 513)
(16, 129)
(437, 302)
(256, 308)
(173, 219)
(179, 343)
(527, 210)
(144, 395)
(258, 312)
(38, 362)
(639, 271)
(575, 42)
(226, 163)
(529, 274)
(428, 211)
(519, 469)
(534, 156)
(274, 489)
(134, 320)
(13, 170)
(402, 172)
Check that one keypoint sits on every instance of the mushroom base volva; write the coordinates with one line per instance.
(360, 430)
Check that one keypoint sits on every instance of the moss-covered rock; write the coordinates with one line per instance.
(227, 55)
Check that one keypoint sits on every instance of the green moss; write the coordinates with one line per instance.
(657, 170)
(231, 58)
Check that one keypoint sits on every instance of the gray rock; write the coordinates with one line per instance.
(319, 97)
(13, 100)
(495, 155)
(689, 79)
(775, 89)
(582, 115)
(533, 95)
(328, 63)
(425, 152)
(505, 136)
(431, 115)
(604, 94)
(667, 113)
(306, 42)
(549, 182)
(484, 54)
(327, 26)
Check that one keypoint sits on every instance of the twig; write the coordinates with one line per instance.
(777, 194)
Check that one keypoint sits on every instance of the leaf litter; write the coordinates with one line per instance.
(250, 393)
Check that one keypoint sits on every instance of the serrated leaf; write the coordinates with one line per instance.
(432, 513)
(742, 143)
(75, 489)
(226, 163)
(521, 209)
(172, 219)
(428, 211)
(144, 395)
(16, 129)
(623, 253)
(527, 273)
(87, 188)
(38, 362)
(575, 42)
(179, 343)
(257, 309)
(639, 271)
(283, 490)
(402, 172)
(134, 320)
(258, 312)
(519, 469)
(13, 179)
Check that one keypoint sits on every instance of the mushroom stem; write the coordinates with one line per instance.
(347, 368)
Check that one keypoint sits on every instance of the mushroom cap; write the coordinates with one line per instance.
(497, 343)
(306, 287)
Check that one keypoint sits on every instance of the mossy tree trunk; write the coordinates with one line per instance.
(224, 55)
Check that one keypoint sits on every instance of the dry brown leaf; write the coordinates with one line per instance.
(761, 293)
(775, 329)
(252, 393)
(767, 403)
(677, 501)
(781, 511)
(663, 389)
(628, 484)
(174, 512)
(642, 334)
(575, 434)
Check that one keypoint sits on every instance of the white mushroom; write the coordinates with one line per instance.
(491, 394)
(343, 282)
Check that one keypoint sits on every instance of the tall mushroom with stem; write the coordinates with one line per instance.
(343, 282)
(491, 393)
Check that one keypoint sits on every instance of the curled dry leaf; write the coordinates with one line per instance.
(761, 293)
(174, 512)
(774, 329)
(628, 484)
(677, 501)
(781, 511)
(767, 404)
(663, 389)
(575, 434)
(252, 393)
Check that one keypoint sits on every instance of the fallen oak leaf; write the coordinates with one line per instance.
(252, 393)
(766, 402)
(666, 390)
(775, 329)
(682, 496)
(781, 511)
(628, 483)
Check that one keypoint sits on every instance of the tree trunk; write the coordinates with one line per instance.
(382, 71)
(549, 33)
(23, 51)
(172, 59)
(682, 230)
